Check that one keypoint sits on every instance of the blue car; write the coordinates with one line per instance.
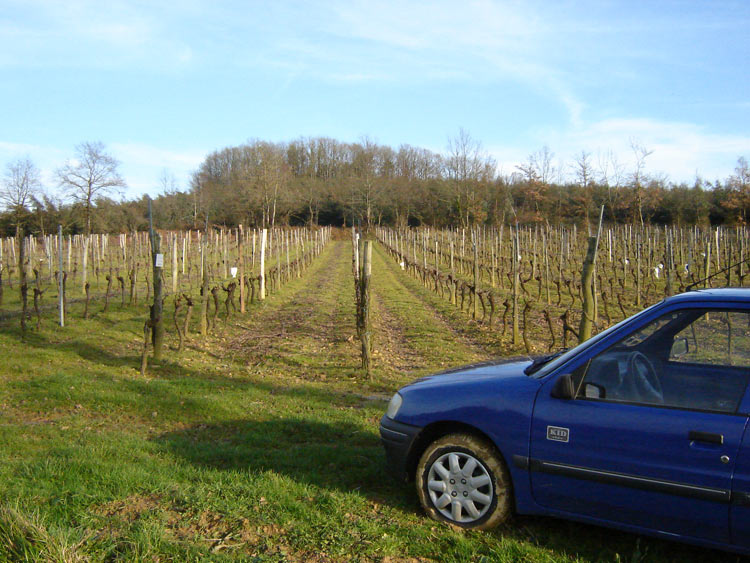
(643, 428)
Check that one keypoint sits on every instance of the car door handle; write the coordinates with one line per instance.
(707, 437)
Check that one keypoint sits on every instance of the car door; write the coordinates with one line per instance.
(623, 451)
(740, 509)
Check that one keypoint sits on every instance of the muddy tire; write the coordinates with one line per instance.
(462, 480)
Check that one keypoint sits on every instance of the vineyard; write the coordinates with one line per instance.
(224, 269)
(253, 435)
(519, 281)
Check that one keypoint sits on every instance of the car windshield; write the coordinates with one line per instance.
(560, 360)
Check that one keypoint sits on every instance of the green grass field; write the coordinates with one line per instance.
(259, 443)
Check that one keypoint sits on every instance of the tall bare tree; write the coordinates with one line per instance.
(611, 174)
(367, 183)
(738, 199)
(93, 172)
(538, 172)
(584, 173)
(469, 169)
(639, 173)
(20, 185)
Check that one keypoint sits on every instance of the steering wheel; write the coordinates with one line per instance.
(645, 382)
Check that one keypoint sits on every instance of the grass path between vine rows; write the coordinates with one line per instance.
(258, 443)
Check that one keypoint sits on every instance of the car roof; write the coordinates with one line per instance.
(719, 294)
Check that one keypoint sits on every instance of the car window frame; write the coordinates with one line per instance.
(746, 360)
(678, 307)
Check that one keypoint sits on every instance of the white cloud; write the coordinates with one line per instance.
(88, 34)
(430, 25)
(470, 42)
(679, 150)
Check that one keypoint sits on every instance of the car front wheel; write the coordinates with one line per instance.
(462, 480)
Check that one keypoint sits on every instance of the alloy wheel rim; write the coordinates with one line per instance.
(460, 487)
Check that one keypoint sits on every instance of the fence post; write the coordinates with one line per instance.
(61, 297)
(263, 238)
(174, 263)
(587, 285)
(475, 305)
(240, 241)
(515, 267)
(157, 261)
(204, 285)
(364, 310)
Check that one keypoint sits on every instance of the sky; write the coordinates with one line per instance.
(163, 84)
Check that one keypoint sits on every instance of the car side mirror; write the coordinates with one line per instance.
(563, 388)
(594, 391)
(679, 347)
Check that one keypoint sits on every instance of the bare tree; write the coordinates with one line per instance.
(639, 175)
(739, 186)
(469, 169)
(537, 172)
(93, 172)
(20, 185)
(611, 177)
(168, 182)
(584, 172)
(366, 187)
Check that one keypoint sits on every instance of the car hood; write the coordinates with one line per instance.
(476, 394)
(492, 369)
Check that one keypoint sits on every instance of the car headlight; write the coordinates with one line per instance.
(394, 405)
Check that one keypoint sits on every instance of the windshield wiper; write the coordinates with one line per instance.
(537, 363)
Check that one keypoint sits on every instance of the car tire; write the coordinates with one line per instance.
(462, 480)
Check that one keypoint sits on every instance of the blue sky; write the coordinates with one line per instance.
(164, 84)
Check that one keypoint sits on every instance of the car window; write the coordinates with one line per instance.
(716, 338)
(642, 334)
(691, 359)
(573, 352)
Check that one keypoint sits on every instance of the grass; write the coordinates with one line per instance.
(258, 443)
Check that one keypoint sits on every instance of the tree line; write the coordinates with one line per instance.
(322, 181)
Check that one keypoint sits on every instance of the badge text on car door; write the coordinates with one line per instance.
(558, 434)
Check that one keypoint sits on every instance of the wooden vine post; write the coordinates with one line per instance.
(587, 285)
(516, 275)
(475, 304)
(174, 263)
(1, 271)
(355, 273)
(61, 299)
(157, 261)
(363, 320)
(546, 269)
(204, 283)
(20, 235)
(240, 240)
(262, 283)
(84, 259)
(668, 264)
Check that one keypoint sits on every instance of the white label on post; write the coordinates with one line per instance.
(233, 270)
(159, 261)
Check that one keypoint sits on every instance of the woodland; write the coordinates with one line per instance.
(322, 181)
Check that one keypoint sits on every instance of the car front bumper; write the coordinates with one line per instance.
(397, 439)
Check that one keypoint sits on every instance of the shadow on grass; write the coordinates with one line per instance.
(336, 456)
(340, 456)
